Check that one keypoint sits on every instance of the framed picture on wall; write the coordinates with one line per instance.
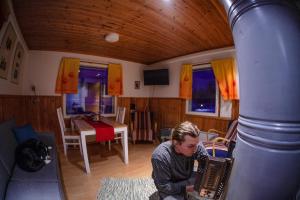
(6, 50)
(137, 85)
(17, 64)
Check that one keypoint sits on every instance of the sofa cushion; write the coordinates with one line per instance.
(33, 190)
(49, 172)
(24, 133)
(8, 145)
(3, 180)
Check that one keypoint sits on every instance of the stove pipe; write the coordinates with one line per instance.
(267, 156)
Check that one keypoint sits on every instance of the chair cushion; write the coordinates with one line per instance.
(33, 190)
(220, 153)
(8, 145)
(24, 133)
(221, 149)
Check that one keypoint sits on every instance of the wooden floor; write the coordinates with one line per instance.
(103, 163)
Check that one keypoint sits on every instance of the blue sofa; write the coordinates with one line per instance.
(16, 184)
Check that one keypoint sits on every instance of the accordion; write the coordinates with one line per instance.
(212, 176)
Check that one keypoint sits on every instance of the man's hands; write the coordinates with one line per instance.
(189, 188)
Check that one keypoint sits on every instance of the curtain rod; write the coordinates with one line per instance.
(92, 62)
(200, 64)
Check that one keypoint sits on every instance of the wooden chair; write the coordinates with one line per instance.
(213, 133)
(231, 132)
(69, 137)
(223, 145)
(120, 117)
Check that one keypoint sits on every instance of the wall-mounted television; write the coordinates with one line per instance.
(156, 77)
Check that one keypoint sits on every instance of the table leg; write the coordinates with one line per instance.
(85, 155)
(125, 145)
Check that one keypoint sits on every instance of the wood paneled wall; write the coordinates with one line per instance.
(39, 111)
(168, 112)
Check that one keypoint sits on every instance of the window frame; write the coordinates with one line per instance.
(104, 115)
(217, 97)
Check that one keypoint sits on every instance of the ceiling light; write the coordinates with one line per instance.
(112, 37)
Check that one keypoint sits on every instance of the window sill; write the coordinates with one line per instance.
(204, 114)
(208, 117)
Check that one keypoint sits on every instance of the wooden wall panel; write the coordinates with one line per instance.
(32, 111)
(12, 106)
(235, 109)
(38, 111)
(206, 123)
(168, 112)
(41, 112)
(140, 103)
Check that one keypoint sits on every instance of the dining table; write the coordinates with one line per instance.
(86, 129)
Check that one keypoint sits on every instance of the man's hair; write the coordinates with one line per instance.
(183, 129)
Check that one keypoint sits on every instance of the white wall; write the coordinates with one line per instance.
(43, 68)
(6, 86)
(174, 66)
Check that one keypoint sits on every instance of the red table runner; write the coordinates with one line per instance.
(104, 132)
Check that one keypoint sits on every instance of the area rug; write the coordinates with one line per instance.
(127, 189)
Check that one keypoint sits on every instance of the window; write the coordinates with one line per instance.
(205, 92)
(92, 94)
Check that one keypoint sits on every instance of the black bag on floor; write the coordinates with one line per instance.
(31, 155)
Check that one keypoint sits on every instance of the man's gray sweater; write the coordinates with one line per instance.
(171, 171)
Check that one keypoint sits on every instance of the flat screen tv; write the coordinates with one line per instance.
(156, 77)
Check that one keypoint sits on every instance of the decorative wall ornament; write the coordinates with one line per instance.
(6, 50)
(17, 64)
(137, 85)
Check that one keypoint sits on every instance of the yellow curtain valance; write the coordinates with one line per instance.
(67, 77)
(226, 76)
(115, 80)
(186, 76)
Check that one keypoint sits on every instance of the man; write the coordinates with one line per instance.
(173, 162)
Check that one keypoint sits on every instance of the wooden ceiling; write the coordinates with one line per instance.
(150, 30)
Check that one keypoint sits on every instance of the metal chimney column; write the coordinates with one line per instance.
(267, 155)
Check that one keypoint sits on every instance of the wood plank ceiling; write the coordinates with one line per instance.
(150, 30)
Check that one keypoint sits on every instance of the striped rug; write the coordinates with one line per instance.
(127, 189)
